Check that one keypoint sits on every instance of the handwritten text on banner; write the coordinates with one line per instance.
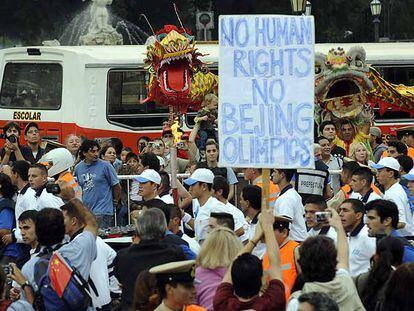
(266, 71)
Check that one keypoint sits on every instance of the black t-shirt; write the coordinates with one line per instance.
(26, 153)
(129, 262)
(338, 152)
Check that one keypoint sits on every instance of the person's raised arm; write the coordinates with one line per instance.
(6, 157)
(89, 220)
(247, 248)
(196, 127)
(267, 219)
(342, 243)
(184, 195)
(68, 194)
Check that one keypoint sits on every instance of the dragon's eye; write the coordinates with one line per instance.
(161, 36)
(190, 38)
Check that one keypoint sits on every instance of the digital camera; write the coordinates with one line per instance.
(322, 217)
(53, 188)
(11, 138)
(8, 269)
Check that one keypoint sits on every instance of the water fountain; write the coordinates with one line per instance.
(93, 26)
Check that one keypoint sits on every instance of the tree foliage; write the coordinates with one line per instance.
(32, 21)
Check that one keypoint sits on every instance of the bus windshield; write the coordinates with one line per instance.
(31, 86)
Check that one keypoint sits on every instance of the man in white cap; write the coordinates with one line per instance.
(149, 181)
(201, 183)
(387, 175)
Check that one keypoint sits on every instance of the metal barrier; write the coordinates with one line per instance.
(128, 179)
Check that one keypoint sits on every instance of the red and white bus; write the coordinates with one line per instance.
(94, 91)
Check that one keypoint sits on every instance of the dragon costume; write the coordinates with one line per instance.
(178, 78)
(348, 88)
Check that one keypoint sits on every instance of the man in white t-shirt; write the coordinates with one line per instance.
(388, 174)
(315, 204)
(361, 185)
(361, 246)
(220, 192)
(201, 184)
(289, 203)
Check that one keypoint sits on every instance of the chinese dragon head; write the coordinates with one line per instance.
(347, 87)
(178, 78)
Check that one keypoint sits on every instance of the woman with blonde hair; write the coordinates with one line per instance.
(360, 153)
(216, 255)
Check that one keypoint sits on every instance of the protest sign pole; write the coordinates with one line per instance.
(173, 156)
(173, 153)
(265, 190)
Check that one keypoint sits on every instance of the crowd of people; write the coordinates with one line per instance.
(336, 237)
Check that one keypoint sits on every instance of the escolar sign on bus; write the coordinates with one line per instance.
(27, 115)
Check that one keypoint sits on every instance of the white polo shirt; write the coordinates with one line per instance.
(397, 195)
(239, 220)
(330, 233)
(361, 249)
(202, 215)
(289, 203)
(371, 195)
(25, 201)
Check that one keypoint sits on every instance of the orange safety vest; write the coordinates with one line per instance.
(288, 264)
(273, 189)
(194, 308)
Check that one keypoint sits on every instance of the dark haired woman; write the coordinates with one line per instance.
(398, 295)
(372, 284)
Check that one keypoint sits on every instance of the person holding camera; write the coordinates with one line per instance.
(12, 149)
(316, 216)
(44, 195)
(60, 161)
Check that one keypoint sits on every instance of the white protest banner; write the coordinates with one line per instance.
(266, 91)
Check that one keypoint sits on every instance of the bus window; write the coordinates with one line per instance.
(397, 74)
(391, 115)
(31, 86)
(126, 88)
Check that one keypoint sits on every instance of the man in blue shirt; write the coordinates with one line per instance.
(101, 190)
(382, 220)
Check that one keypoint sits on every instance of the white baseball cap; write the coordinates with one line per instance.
(149, 175)
(387, 162)
(410, 175)
(200, 175)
